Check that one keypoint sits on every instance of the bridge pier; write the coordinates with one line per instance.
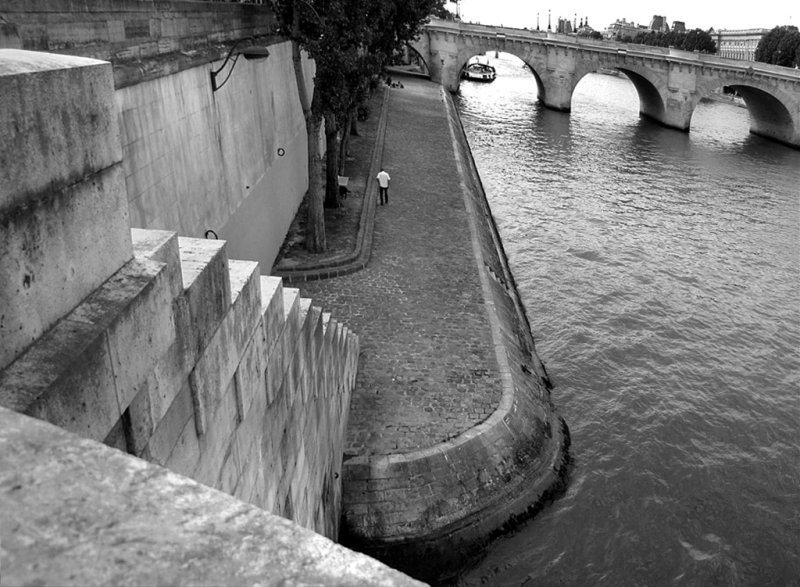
(444, 68)
(555, 90)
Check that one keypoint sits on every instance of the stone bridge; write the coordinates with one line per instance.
(670, 83)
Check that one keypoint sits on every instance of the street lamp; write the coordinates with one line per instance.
(254, 52)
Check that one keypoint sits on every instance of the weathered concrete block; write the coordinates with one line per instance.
(245, 300)
(230, 473)
(251, 471)
(277, 363)
(116, 438)
(217, 440)
(215, 368)
(186, 453)
(206, 281)
(164, 437)
(55, 251)
(253, 429)
(249, 375)
(67, 379)
(134, 308)
(61, 190)
(283, 350)
(59, 123)
(291, 307)
(313, 336)
(272, 309)
(168, 375)
(161, 246)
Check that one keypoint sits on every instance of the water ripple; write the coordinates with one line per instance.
(661, 273)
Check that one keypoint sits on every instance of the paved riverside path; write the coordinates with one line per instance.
(428, 369)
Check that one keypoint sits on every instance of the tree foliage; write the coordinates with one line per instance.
(350, 42)
(780, 46)
(694, 40)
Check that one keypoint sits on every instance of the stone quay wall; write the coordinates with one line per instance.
(144, 39)
(430, 511)
(158, 345)
(195, 161)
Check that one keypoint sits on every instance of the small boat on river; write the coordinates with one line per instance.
(479, 71)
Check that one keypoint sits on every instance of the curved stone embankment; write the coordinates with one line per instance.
(432, 511)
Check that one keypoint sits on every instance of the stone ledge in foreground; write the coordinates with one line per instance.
(76, 512)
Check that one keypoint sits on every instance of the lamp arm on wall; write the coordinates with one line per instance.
(250, 53)
(214, 85)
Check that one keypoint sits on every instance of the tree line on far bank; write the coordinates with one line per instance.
(350, 41)
(694, 40)
(780, 46)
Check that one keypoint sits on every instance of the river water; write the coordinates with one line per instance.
(661, 274)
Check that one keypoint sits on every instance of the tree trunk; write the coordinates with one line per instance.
(345, 143)
(315, 224)
(315, 219)
(332, 163)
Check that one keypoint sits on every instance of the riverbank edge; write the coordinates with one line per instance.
(432, 512)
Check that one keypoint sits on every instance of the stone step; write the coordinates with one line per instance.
(161, 246)
(84, 372)
(206, 285)
(272, 309)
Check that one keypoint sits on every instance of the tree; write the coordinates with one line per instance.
(350, 41)
(695, 40)
(780, 46)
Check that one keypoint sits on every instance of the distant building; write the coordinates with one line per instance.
(679, 26)
(738, 44)
(564, 26)
(623, 28)
(659, 24)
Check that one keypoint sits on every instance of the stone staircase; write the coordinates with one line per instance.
(184, 358)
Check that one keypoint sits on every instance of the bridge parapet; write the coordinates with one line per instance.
(670, 82)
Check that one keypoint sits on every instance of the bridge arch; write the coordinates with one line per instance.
(769, 106)
(650, 88)
(768, 114)
(465, 56)
(412, 50)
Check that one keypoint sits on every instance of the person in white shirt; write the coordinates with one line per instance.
(383, 186)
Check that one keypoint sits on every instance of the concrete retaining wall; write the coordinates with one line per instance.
(61, 190)
(169, 350)
(232, 161)
(429, 512)
(200, 364)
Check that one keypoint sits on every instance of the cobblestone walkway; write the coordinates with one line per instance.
(427, 370)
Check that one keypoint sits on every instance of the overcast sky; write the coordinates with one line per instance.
(701, 14)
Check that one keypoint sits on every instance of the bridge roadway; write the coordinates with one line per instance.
(670, 83)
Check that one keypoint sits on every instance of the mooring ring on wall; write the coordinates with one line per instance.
(211, 232)
(281, 152)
